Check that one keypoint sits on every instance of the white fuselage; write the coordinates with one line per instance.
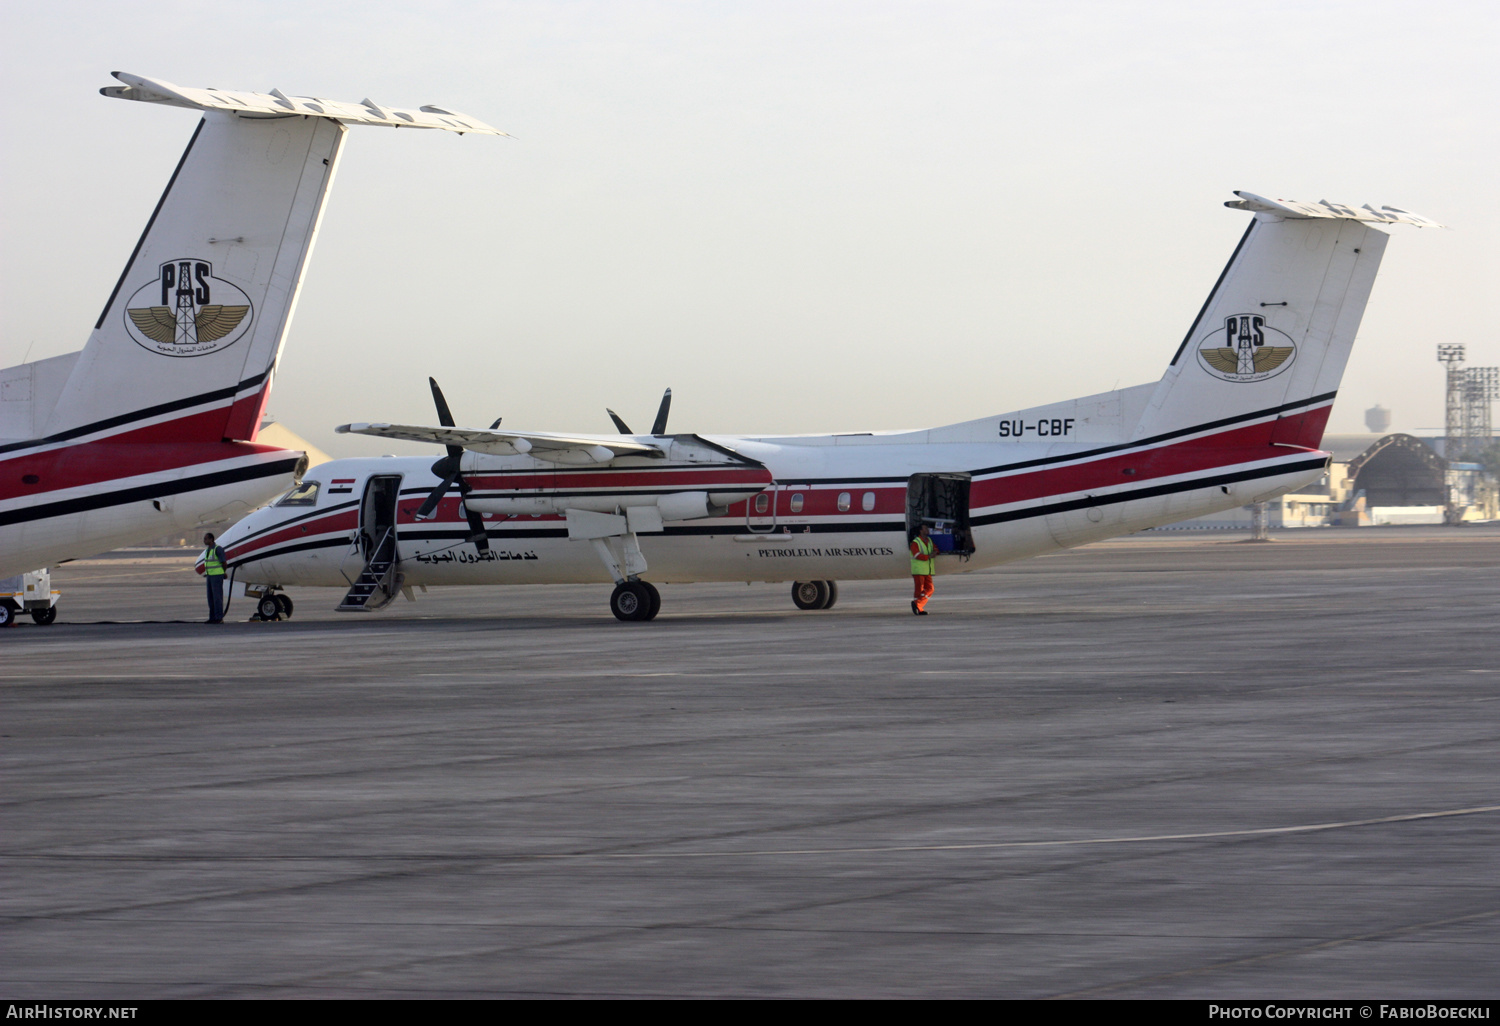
(829, 507)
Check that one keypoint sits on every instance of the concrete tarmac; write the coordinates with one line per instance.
(1169, 766)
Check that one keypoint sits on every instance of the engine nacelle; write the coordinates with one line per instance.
(683, 506)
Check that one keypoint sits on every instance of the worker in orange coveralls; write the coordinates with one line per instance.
(922, 553)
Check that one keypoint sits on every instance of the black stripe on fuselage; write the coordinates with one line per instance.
(1147, 493)
(294, 521)
(286, 550)
(139, 493)
(150, 411)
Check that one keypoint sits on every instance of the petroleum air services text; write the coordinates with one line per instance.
(876, 551)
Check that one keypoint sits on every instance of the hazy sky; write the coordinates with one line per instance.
(795, 214)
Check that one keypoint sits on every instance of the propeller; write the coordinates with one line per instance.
(660, 426)
(657, 428)
(447, 468)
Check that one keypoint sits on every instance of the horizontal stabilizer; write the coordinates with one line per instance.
(554, 448)
(1322, 208)
(153, 90)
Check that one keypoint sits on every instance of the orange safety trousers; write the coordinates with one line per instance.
(921, 589)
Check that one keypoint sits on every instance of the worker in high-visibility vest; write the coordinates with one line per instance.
(922, 553)
(214, 561)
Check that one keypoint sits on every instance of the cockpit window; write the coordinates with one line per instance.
(304, 494)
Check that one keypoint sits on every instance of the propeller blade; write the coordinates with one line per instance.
(436, 495)
(624, 427)
(448, 469)
(445, 416)
(478, 536)
(660, 427)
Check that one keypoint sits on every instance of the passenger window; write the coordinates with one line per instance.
(796, 502)
(762, 503)
(868, 502)
(843, 502)
(304, 494)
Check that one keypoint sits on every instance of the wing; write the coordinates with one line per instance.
(1271, 357)
(1225, 360)
(215, 321)
(155, 322)
(553, 448)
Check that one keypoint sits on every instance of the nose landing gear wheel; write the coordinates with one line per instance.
(812, 594)
(284, 606)
(267, 607)
(630, 601)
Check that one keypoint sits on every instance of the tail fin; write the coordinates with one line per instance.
(1274, 335)
(189, 339)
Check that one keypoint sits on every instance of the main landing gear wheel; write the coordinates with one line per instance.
(284, 606)
(635, 600)
(631, 601)
(815, 594)
(268, 608)
(44, 616)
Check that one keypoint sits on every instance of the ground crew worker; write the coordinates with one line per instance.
(214, 562)
(922, 554)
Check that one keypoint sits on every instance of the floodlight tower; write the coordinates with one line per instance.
(1481, 387)
(1452, 354)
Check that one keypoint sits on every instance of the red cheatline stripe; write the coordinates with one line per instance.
(666, 477)
(1227, 448)
(343, 520)
(95, 463)
(203, 425)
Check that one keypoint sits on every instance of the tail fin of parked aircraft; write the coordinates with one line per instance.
(1275, 332)
(188, 341)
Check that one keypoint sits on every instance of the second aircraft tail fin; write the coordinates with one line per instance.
(188, 341)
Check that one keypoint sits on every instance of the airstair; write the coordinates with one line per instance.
(378, 583)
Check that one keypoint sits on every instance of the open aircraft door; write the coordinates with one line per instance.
(375, 541)
(941, 501)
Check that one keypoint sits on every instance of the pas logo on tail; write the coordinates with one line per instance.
(197, 314)
(1246, 349)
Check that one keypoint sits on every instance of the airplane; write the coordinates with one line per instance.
(1236, 418)
(151, 428)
